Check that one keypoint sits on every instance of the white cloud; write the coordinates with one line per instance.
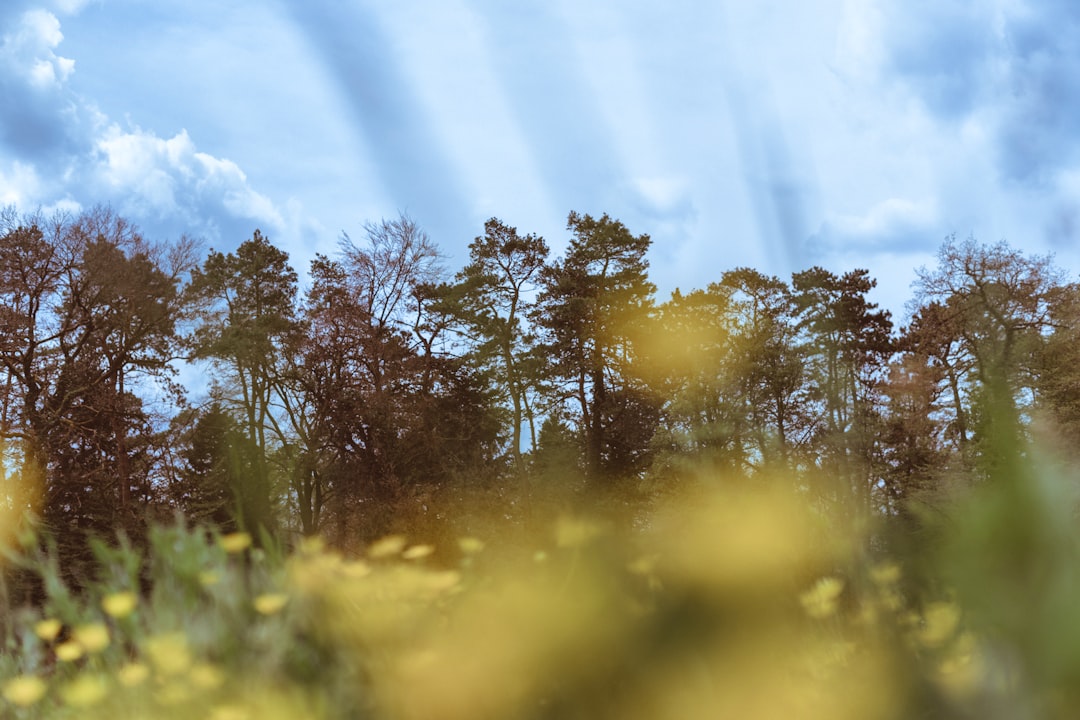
(148, 175)
(137, 166)
(19, 184)
(886, 219)
(57, 149)
(225, 177)
(70, 7)
(29, 50)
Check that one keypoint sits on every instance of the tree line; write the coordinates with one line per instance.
(386, 391)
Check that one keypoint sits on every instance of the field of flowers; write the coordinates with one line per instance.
(742, 604)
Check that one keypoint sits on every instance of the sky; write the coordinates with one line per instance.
(777, 134)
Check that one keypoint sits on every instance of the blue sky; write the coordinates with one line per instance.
(775, 134)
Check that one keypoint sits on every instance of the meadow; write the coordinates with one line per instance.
(716, 602)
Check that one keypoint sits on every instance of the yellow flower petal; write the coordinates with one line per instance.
(119, 605)
(386, 547)
(236, 542)
(820, 600)
(270, 603)
(48, 629)
(94, 638)
(940, 620)
(69, 651)
(418, 551)
(24, 690)
(886, 574)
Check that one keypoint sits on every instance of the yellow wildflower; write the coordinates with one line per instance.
(270, 603)
(48, 629)
(94, 638)
(24, 690)
(885, 574)
(940, 620)
(119, 605)
(820, 600)
(69, 651)
(418, 551)
(236, 542)
(386, 547)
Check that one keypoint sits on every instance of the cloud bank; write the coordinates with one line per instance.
(1013, 70)
(57, 150)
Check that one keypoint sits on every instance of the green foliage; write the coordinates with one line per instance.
(719, 602)
(593, 303)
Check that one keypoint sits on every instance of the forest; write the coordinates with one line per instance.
(391, 385)
(163, 401)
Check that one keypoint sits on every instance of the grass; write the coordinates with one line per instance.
(728, 604)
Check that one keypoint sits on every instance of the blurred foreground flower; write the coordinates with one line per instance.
(940, 620)
(69, 651)
(24, 690)
(93, 638)
(386, 547)
(270, 603)
(236, 542)
(418, 551)
(48, 629)
(739, 544)
(119, 605)
(886, 574)
(820, 600)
